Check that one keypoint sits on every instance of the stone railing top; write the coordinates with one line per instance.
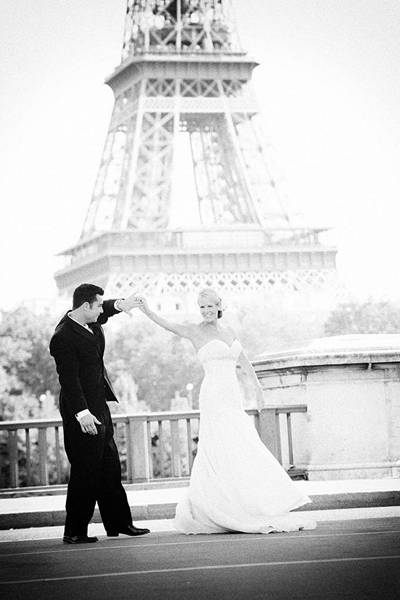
(335, 350)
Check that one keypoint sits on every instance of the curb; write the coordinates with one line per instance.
(149, 512)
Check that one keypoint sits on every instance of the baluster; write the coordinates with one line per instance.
(119, 442)
(13, 456)
(290, 438)
(129, 466)
(58, 454)
(270, 432)
(257, 422)
(161, 448)
(189, 444)
(28, 457)
(43, 470)
(150, 450)
(175, 449)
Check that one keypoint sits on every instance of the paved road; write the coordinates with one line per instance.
(340, 560)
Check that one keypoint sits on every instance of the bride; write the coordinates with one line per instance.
(236, 483)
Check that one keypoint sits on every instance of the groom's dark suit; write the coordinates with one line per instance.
(95, 467)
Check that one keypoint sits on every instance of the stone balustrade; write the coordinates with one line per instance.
(152, 446)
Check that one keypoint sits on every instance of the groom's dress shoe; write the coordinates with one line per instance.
(79, 539)
(129, 530)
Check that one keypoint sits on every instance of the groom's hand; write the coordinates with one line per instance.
(88, 424)
(127, 304)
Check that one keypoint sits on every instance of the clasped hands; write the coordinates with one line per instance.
(133, 301)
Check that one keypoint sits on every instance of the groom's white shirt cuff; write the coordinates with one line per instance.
(116, 305)
(82, 413)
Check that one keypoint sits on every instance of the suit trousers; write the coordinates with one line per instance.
(95, 476)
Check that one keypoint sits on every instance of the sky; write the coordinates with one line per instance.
(328, 85)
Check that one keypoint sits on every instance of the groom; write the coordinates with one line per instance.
(77, 347)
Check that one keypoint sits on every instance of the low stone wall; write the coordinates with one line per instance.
(351, 386)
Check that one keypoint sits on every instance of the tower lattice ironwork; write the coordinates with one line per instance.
(186, 194)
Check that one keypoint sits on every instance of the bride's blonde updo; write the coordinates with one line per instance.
(213, 296)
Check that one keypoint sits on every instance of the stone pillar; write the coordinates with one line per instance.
(351, 386)
(138, 449)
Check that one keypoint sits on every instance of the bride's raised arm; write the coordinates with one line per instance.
(183, 330)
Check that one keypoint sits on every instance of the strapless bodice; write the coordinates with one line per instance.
(219, 350)
(219, 390)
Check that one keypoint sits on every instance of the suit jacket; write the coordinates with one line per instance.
(79, 360)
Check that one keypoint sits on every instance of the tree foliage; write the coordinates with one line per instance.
(364, 317)
(24, 341)
(160, 363)
(267, 324)
(26, 367)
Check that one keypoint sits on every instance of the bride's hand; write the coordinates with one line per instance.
(143, 306)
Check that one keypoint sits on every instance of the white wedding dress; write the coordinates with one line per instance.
(236, 483)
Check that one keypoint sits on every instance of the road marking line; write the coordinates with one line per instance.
(204, 568)
(205, 541)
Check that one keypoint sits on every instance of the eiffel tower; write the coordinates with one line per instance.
(186, 194)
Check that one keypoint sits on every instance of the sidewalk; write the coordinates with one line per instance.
(159, 503)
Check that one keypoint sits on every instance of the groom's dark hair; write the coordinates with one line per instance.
(86, 292)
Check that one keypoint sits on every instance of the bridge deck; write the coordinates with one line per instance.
(343, 559)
